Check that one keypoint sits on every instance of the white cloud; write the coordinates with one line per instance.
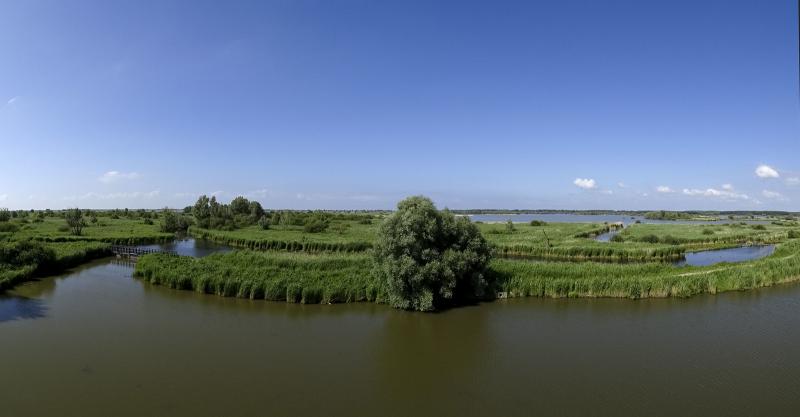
(622, 185)
(728, 187)
(12, 100)
(585, 183)
(773, 195)
(712, 192)
(114, 176)
(609, 192)
(766, 171)
(664, 189)
(793, 181)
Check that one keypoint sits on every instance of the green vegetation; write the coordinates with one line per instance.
(706, 237)
(22, 260)
(559, 279)
(429, 258)
(679, 215)
(277, 276)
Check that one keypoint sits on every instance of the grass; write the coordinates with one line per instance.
(705, 236)
(65, 255)
(277, 276)
(341, 236)
(553, 279)
(115, 231)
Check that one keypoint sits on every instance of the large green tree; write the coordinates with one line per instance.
(429, 259)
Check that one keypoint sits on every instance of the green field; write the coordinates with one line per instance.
(117, 231)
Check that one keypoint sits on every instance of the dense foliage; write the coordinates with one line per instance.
(210, 214)
(75, 222)
(172, 222)
(429, 258)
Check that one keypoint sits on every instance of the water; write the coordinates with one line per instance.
(96, 342)
(592, 218)
(740, 254)
(190, 247)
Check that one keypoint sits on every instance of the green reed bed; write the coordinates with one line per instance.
(277, 276)
(598, 253)
(563, 279)
(705, 235)
(354, 237)
(21, 261)
(114, 231)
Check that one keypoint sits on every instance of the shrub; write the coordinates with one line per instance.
(794, 234)
(649, 239)
(428, 258)
(263, 222)
(537, 223)
(74, 218)
(5, 215)
(708, 232)
(172, 222)
(8, 227)
(617, 238)
(759, 227)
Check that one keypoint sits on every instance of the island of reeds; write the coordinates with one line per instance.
(416, 257)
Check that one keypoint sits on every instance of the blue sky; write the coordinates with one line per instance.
(356, 104)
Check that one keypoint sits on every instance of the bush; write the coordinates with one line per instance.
(264, 222)
(5, 215)
(708, 232)
(428, 258)
(315, 225)
(649, 239)
(74, 218)
(8, 227)
(759, 227)
(617, 238)
(172, 222)
(794, 234)
(538, 223)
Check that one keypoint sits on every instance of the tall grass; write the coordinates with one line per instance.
(554, 279)
(290, 277)
(51, 258)
(281, 240)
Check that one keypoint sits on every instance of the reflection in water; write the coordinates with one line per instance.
(114, 345)
(741, 254)
(16, 308)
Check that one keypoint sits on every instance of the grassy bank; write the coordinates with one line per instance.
(22, 261)
(335, 278)
(277, 276)
(341, 236)
(560, 279)
(114, 231)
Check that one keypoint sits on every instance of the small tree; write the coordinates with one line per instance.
(429, 258)
(263, 222)
(74, 218)
(5, 215)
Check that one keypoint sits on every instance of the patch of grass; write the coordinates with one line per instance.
(277, 276)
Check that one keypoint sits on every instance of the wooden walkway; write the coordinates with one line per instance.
(134, 252)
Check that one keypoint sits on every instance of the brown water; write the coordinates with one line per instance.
(96, 342)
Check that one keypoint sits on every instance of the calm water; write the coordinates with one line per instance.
(96, 342)
(588, 218)
(741, 254)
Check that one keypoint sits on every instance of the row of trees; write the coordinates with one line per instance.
(210, 214)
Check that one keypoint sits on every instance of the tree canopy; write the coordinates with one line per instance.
(429, 259)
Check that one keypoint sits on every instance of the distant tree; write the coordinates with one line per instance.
(202, 211)
(510, 227)
(172, 222)
(429, 258)
(264, 222)
(74, 218)
(5, 215)
(240, 205)
(256, 211)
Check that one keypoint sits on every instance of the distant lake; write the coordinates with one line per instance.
(593, 218)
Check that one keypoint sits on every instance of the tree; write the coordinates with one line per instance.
(74, 218)
(264, 222)
(202, 211)
(172, 222)
(5, 215)
(240, 205)
(429, 258)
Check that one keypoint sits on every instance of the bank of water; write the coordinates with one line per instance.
(595, 218)
(732, 255)
(97, 342)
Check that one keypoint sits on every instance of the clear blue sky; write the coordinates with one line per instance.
(356, 104)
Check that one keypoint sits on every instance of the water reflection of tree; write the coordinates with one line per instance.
(427, 360)
(18, 307)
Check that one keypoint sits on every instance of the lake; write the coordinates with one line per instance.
(593, 218)
(97, 342)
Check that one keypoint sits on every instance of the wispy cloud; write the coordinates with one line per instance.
(713, 192)
(585, 183)
(12, 100)
(774, 195)
(766, 171)
(793, 181)
(664, 189)
(114, 176)
(622, 185)
(728, 187)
